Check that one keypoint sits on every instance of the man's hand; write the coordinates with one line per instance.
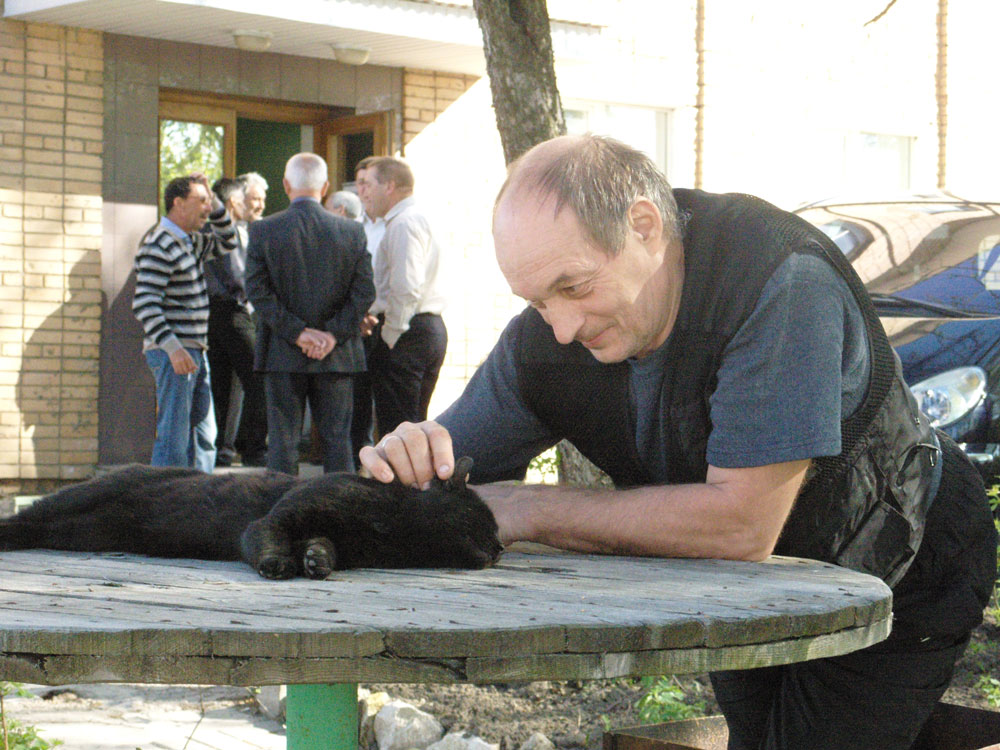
(368, 324)
(412, 453)
(182, 362)
(315, 344)
(203, 179)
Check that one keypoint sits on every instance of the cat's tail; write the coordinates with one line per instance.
(15, 535)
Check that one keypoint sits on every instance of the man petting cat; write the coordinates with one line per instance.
(721, 361)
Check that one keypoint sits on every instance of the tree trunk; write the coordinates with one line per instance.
(517, 41)
(518, 46)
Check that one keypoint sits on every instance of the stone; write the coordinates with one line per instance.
(462, 741)
(369, 704)
(401, 726)
(271, 700)
(537, 741)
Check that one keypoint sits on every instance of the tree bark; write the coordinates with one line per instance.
(518, 44)
(517, 41)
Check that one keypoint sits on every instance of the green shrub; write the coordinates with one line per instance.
(18, 736)
(990, 687)
(993, 495)
(665, 701)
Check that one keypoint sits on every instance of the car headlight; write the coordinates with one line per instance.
(948, 397)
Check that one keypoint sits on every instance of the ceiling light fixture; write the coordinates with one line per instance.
(350, 54)
(253, 41)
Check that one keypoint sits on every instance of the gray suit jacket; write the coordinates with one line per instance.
(308, 268)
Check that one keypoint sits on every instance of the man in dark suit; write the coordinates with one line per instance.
(309, 276)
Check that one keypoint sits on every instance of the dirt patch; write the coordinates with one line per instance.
(571, 714)
(576, 714)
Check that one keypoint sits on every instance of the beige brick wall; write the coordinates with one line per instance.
(426, 94)
(51, 112)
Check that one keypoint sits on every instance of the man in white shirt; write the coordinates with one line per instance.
(409, 299)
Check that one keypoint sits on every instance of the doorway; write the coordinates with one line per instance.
(263, 146)
(228, 136)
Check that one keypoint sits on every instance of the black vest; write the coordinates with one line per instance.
(863, 509)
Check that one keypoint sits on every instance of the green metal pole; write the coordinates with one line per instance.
(321, 717)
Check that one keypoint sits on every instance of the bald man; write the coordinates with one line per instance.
(719, 358)
(309, 276)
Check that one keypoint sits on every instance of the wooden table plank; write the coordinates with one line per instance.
(77, 617)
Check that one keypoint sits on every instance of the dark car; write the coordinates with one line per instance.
(932, 266)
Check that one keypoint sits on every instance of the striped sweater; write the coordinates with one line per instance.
(171, 300)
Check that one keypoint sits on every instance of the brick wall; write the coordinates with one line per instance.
(426, 94)
(51, 100)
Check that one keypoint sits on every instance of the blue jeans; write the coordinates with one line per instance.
(185, 419)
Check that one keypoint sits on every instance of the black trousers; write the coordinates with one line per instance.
(362, 421)
(880, 697)
(330, 401)
(231, 337)
(403, 378)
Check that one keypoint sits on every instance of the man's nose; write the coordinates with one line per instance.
(565, 320)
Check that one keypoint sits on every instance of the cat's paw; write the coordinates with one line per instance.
(276, 567)
(319, 558)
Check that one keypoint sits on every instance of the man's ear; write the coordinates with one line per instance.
(326, 186)
(644, 219)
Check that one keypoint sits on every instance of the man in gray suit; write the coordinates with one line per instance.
(309, 276)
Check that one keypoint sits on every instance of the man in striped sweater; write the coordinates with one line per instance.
(171, 302)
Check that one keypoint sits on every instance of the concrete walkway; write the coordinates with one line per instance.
(147, 717)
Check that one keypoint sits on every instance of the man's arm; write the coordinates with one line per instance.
(218, 236)
(736, 514)
(261, 292)
(346, 322)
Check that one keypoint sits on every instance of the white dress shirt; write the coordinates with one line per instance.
(374, 231)
(407, 270)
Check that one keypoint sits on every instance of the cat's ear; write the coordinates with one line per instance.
(458, 479)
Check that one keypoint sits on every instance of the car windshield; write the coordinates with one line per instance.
(936, 256)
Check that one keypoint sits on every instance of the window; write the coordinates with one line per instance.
(187, 147)
(639, 127)
(877, 162)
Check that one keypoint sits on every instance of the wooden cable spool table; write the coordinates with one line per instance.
(102, 617)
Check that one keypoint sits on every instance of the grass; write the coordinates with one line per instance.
(18, 736)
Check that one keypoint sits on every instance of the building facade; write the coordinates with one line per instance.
(789, 103)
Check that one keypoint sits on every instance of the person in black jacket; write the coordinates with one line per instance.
(230, 345)
(309, 276)
(721, 361)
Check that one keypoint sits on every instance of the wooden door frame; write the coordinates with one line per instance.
(328, 134)
(329, 122)
(209, 115)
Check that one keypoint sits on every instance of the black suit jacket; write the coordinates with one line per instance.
(308, 268)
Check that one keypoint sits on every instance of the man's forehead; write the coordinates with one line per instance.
(531, 211)
(531, 236)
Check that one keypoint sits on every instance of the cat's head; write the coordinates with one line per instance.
(458, 478)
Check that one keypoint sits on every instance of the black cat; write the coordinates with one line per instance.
(280, 525)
